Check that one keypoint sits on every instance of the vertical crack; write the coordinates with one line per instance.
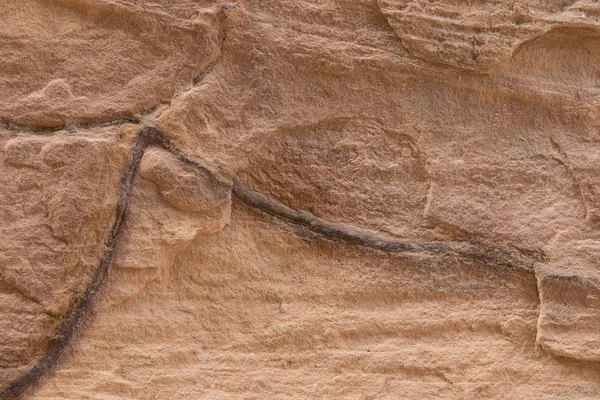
(81, 306)
(221, 38)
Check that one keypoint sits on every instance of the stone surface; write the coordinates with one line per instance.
(442, 125)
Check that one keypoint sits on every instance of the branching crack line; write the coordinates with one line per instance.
(148, 135)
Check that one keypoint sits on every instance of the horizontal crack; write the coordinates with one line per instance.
(152, 136)
(72, 127)
(379, 241)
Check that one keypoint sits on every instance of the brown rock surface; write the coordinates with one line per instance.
(343, 199)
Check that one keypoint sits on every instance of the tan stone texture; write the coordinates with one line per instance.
(367, 199)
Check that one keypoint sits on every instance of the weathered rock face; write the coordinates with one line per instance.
(309, 199)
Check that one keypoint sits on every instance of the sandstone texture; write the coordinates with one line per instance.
(367, 199)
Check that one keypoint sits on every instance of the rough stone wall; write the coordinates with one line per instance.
(386, 199)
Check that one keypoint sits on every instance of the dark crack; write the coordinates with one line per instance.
(79, 308)
(149, 135)
(73, 127)
(378, 240)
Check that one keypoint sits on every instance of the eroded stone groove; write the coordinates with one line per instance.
(152, 136)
